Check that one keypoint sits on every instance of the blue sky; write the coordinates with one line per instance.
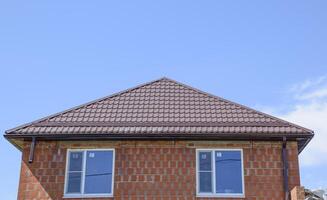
(270, 55)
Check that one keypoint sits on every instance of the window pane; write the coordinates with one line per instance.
(98, 172)
(205, 161)
(205, 182)
(75, 161)
(74, 182)
(228, 172)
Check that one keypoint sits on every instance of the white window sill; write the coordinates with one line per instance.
(221, 195)
(71, 196)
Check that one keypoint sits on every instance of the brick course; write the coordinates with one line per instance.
(157, 169)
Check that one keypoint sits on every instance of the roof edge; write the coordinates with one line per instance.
(242, 106)
(306, 143)
(172, 136)
(159, 135)
(83, 105)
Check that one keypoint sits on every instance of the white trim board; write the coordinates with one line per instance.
(213, 166)
(82, 195)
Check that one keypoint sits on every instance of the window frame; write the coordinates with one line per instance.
(82, 194)
(213, 176)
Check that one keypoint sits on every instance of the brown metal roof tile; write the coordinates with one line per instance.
(161, 101)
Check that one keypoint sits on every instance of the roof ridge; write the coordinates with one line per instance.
(84, 105)
(237, 104)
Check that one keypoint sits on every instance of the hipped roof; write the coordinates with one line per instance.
(160, 108)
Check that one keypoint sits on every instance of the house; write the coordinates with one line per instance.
(160, 140)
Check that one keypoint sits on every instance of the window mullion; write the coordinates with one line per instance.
(83, 171)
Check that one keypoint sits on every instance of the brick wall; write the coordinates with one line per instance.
(157, 169)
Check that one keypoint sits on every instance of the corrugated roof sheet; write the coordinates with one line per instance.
(163, 106)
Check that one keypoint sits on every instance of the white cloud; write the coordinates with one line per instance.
(316, 94)
(313, 116)
(311, 89)
(310, 111)
(310, 83)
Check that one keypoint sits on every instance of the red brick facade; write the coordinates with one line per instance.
(158, 169)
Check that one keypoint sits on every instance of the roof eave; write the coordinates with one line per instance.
(308, 139)
(172, 136)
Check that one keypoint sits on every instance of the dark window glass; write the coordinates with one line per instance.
(205, 161)
(74, 182)
(75, 172)
(228, 172)
(205, 171)
(75, 161)
(98, 173)
(205, 181)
